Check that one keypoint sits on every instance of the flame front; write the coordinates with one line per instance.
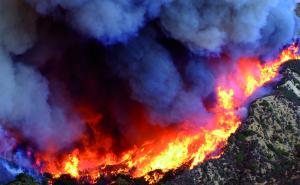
(71, 166)
(187, 144)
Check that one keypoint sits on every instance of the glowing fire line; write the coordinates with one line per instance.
(174, 151)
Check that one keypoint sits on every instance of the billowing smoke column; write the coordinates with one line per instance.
(27, 109)
(121, 72)
(211, 25)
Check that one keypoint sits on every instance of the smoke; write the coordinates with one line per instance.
(156, 82)
(281, 27)
(60, 59)
(105, 20)
(25, 103)
(212, 25)
(7, 143)
(208, 25)
(17, 28)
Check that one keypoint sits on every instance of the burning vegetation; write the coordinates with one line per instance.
(188, 146)
(101, 91)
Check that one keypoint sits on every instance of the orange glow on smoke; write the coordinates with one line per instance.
(184, 145)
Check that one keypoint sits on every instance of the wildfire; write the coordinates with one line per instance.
(257, 75)
(225, 98)
(71, 166)
(189, 146)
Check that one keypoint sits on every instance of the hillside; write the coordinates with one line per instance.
(265, 150)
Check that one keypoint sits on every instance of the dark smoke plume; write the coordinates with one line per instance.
(128, 60)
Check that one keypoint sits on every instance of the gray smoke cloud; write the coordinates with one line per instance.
(24, 100)
(211, 25)
(106, 20)
(7, 143)
(17, 26)
(25, 106)
(156, 82)
(172, 89)
(199, 24)
(253, 25)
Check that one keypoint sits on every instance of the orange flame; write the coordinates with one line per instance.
(189, 146)
(71, 166)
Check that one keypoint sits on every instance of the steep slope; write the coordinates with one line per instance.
(266, 149)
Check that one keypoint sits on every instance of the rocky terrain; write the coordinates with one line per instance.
(264, 150)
